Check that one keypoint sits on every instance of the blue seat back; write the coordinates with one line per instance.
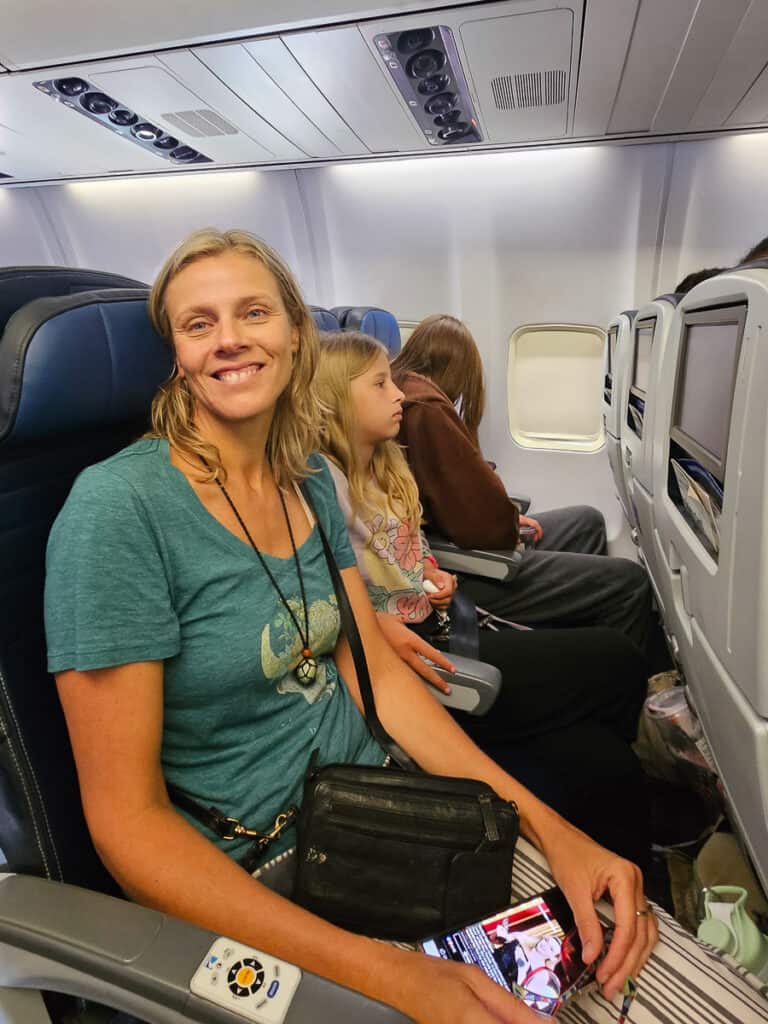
(377, 322)
(20, 285)
(77, 377)
(324, 319)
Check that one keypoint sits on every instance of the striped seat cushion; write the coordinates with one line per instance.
(684, 982)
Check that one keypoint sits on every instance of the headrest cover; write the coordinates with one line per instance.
(630, 314)
(20, 285)
(78, 361)
(673, 298)
(324, 319)
(370, 320)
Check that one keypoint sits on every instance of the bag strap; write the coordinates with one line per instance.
(349, 627)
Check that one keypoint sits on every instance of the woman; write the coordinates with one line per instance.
(566, 579)
(189, 661)
(569, 697)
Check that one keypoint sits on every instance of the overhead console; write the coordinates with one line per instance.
(466, 77)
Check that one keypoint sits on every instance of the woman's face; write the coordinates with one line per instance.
(377, 403)
(232, 335)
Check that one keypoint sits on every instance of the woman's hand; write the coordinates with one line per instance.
(412, 649)
(527, 521)
(435, 991)
(445, 583)
(586, 872)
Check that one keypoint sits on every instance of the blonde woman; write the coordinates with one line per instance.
(209, 654)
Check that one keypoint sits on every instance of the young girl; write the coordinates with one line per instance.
(210, 655)
(567, 578)
(570, 698)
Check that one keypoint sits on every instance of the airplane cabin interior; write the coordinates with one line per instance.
(546, 171)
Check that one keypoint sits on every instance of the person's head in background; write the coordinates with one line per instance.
(442, 348)
(362, 410)
(757, 252)
(691, 280)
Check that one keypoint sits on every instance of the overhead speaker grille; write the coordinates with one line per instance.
(532, 89)
(200, 124)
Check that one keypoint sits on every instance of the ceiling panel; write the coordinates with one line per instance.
(86, 31)
(741, 65)
(753, 109)
(286, 72)
(713, 28)
(341, 65)
(658, 37)
(608, 28)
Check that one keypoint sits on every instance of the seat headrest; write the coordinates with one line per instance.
(20, 285)
(71, 362)
(324, 319)
(370, 320)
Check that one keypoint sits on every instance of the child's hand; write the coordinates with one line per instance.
(445, 583)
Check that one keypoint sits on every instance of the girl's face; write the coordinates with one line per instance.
(233, 339)
(377, 404)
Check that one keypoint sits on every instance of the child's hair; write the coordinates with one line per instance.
(344, 356)
(443, 349)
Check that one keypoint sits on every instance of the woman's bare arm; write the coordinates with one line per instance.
(114, 718)
(429, 734)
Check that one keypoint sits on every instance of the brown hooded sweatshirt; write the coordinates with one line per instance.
(463, 499)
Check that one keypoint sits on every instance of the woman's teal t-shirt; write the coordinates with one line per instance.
(139, 570)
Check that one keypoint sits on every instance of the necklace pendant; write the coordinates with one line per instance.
(306, 670)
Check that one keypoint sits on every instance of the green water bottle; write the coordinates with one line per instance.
(729, 928)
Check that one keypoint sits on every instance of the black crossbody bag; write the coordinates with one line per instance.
(394, 853)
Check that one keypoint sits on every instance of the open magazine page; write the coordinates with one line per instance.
(700, 505)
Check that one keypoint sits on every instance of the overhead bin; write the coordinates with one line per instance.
(266, 76)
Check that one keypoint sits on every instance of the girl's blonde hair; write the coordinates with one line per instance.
(344, 356)
(443, 349)
(294, 430)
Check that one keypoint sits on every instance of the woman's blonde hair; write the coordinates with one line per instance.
(344, 356)
(294, 429)
(443, 349)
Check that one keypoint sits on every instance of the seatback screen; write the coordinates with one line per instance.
(643, 341)
(612, 350)
(707, 373)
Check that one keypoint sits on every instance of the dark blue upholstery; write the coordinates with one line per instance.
(20, 285)
(377, 322)
(77, 375)
(324, 319)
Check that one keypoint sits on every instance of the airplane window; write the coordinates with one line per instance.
(555, 378)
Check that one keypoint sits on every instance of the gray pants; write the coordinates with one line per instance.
(568, 580)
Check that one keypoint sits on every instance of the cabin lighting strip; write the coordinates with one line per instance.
(426, 69)
(90, 101)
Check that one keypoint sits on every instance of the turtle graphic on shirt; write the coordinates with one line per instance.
(281, 647)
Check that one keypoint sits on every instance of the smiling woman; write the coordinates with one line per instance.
(216, 664)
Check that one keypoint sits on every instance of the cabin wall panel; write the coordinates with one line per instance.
(718, 207)
(26, 237)
(558, 236)
(130, 226)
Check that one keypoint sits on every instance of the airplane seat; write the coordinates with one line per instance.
(617, 364)
(377, 322)
(709, 475)
(20, 285)
(648, 338)
(324, 319)
(77, 376)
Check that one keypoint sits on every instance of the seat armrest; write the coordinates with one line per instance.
(65, 939)
(522, 501)
(474, 685)
(493, 565)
